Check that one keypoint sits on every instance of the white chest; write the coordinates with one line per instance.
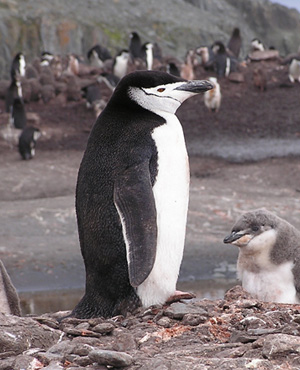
(275, 284)
(120, 67)
(171, 192)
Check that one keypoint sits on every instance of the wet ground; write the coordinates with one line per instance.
(244, 157)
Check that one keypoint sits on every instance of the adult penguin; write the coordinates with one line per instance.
(132, 196)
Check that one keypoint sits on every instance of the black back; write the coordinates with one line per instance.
(19, 113)
(102, 52)
(15, 67)
(135, 45)
(27, 142)
(235, 42)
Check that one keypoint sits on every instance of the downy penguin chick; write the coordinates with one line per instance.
(212, 98)
(269, 256)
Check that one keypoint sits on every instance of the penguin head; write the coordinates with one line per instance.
(218, 48)
(254, 231)
(158, 91)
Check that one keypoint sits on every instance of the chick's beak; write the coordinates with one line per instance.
(233, 237)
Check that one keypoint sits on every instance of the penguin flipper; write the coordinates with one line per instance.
(134, 200)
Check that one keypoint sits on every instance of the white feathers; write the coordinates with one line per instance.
(160, 99)
(212, 98)
(171, 192)
(121, 64)
(272, 284)
(294, 71)
(259, 275)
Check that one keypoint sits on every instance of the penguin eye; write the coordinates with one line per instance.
(161, 89)
(255, 228)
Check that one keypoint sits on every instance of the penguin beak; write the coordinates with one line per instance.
(233, 237)
(195, 86)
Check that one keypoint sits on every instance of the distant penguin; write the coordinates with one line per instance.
(92, 94)
(257, 45)
(173, 69)
(73, 65)
(207, 56)
(212, 98)
(18, 113)
(109, 79)
(46, 58)
(269, 256)
(13, 91)
(120, 64)
(222, 63)
(147, 54)
(18, 67)
(27, 142)
(135, 45)
(187, 68)
(132, 196)
(97, 55)
(9, 299)
(235, 42)
(157, 52)
(294, 70)
(259, 79)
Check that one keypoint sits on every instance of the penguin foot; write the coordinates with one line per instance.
(178, 295)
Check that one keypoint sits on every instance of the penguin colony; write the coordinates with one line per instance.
(131, 212)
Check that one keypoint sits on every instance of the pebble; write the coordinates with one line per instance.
(111, 358)
(104, 328)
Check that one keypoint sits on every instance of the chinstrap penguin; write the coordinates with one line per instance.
(120, 64)
(18, 66)
(135, 45)
(132, 196)
(235, 42)
(18, 113)
(97, 55)
(269, 256)
(257, 45)
(294, 70)
(27, 142)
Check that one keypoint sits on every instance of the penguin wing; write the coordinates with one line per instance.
(134, 200)
(296, 273)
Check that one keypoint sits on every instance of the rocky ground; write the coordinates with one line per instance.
(237, 332)
(243, 157)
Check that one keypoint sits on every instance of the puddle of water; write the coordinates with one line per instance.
(41, 302)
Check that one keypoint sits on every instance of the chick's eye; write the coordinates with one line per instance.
(255, 228)
(161, 89)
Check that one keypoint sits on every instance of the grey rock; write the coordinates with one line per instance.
(19, 334)
(104, 328)
(111, 358)
(242, 337)
(178, 310)
(83, 326)
(124, 342)
(54, 365)
(164, 321)
(193, 319)
(82, 349)
(275, 345)
(83, 361)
